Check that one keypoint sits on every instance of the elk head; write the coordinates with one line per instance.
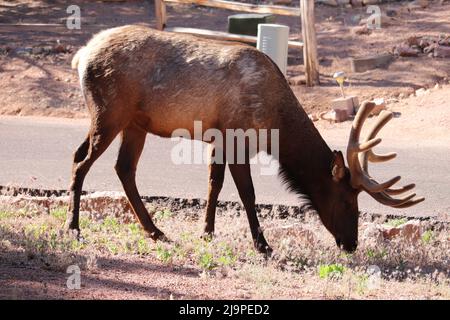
(339, 212)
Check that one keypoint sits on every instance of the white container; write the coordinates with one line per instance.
(273, 41)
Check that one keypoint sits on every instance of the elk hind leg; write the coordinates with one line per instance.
(94, 145)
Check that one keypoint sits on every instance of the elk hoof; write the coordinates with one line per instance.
(265, 249)
(158, 236)
(207, 236)
(75, 233)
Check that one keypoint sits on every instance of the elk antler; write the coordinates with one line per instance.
(359, 155)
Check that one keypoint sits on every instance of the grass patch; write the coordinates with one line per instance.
(296, 266)
(59, 213)
(331, 271)
(396, 222)
(6, 214)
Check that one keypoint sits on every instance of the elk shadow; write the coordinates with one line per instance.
(26, 275)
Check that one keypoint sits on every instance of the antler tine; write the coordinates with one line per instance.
(358, 123)
(372, 186)
(385, 199)
(355, 150)
(353, 147)
(369, 155)
(397, 191)
(383, 119)
(410, 203)
(359, 154)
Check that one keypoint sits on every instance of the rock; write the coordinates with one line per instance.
(421, 92)
(37, 50)
(370, 2)
(431, 48)
(360, 30)
(102, 204)
(380, 105)
(313, 117)
(391, 12)
(410, 231)
(362, 64)
(420, 4)
(442, 52)
(357, 3)
(372, 234)
(412, 41)
(404, 50)
(334, 115)
(59, 48)
(347, 104)
(22, 202)
(356, 18)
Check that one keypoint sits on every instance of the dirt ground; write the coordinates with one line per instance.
(116, 261)
(36, 79)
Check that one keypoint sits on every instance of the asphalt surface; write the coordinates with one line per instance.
(37, 153)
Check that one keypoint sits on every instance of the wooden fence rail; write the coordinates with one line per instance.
(244, 7)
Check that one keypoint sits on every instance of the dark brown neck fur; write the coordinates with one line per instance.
(305, 158)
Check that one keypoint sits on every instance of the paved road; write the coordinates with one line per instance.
(36, 152)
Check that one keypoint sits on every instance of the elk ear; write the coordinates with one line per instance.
(338, 166)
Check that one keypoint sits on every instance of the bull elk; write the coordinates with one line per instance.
(136, 80)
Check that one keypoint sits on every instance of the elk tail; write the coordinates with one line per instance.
(76, 58)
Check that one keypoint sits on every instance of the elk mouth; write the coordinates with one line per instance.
(347, 247)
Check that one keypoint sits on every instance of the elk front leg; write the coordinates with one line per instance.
(215, 182)
(243, 180)
(133, 140)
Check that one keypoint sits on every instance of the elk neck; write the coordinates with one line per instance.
(305, 158)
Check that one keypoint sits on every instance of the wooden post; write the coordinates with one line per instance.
(160, 13)
(309, 42)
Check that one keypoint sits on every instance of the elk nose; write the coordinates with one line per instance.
(351, 248)
(338, 243)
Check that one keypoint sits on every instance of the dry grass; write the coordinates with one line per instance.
(307, 263)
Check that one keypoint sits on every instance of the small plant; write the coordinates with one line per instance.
(374, 254)
(427, 236)
(206, 260)
(362, 283)
(134, 229)
(59, 213)
(396, 222)
(5, 214)
(164, 254)
(112, 248)
(111, 224)
(163, 214)
(84, 223)
(227, 257)
(331, 270)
